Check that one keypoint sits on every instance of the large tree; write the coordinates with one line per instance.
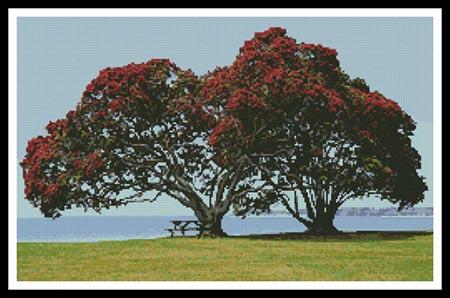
(283, 122)
(135, 136)
(312, 133)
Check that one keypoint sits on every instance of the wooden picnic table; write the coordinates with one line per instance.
(185, 225)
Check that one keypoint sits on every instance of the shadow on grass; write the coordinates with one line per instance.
(360, 236)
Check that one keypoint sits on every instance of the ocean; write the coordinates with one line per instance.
(100, 228)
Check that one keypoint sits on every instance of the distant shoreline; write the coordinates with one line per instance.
(345, 211)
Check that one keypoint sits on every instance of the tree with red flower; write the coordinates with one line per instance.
(283, 124)
(134, 137)
(316, 135)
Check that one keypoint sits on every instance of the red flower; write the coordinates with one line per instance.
(376, 101)
(39, 185)
(318, 50)
(315, 90)
(225, 125)
(366, 134)
(114, 85)
(78, 164)
(91, 87)
(115, 105)
(89, 170)
(101, 114)
(93, 163)
(71, 115)
(274, 75)
(51, 190)
(334, 101)
(244, 98)
(58, 125)
(271, 32)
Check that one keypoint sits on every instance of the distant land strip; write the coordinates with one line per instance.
(371, 211)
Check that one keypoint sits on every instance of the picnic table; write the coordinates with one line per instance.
(185, 225)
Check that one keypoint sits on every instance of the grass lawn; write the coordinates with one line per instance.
(359, 256)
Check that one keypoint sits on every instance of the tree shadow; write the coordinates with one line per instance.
(359, 236)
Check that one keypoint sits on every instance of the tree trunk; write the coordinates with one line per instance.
(216, 228)
(322, 229)
(210, 218)
(212, 223)
(323, 225)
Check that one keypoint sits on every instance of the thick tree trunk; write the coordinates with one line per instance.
(323, 225)
(216, 227)
(212, 223)
(210, 218)
(322, 229)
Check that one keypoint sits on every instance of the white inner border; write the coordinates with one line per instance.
(12, 144)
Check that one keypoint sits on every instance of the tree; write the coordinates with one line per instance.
(310, 132)
(283, 122)
(134, 137)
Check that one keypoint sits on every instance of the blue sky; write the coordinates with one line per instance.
(58, 57)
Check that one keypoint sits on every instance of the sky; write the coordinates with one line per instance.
(58, 57)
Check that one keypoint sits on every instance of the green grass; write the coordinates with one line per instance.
(368, 256)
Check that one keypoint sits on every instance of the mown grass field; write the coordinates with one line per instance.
(362, 257)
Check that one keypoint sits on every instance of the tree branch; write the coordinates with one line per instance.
(285, 202)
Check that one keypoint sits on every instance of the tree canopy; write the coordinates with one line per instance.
(311, 130)
(132, 138)
(282, 122)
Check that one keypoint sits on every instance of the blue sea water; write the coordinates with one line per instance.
(89, 229)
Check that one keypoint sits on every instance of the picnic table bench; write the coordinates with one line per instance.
(186, 225)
